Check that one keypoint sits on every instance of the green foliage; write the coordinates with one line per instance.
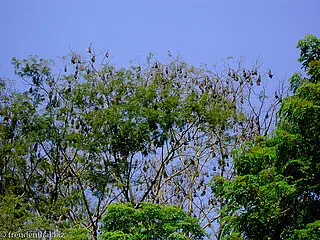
(275, 194)
(149, 221)
(311, 231)
(310, 59)
(77, 232)
(310, 56)
(89, 134)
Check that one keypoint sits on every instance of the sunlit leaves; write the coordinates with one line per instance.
(309, 50)
(149, 221)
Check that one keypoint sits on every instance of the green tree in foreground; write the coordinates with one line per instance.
(276, 194)
(148, 222)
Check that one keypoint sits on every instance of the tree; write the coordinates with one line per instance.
(86, 135)
(275, 194)
(149, 221)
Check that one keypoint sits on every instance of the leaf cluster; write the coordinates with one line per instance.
(149, 221)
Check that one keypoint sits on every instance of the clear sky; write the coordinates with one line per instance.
(202, 31)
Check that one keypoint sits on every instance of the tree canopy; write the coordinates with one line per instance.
(275, 194)
(160, 150)
(149, 221)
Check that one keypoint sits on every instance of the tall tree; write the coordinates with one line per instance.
(88, 134)
(275, 194)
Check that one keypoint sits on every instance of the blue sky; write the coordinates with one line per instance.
(202, 31)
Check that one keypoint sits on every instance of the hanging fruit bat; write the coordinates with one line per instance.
(107, 54)
(254, 71)
(203, 193)
(259, 80)
(270, 74)
(244, 73)
(5, 120)
(93, 59)
(73, 59)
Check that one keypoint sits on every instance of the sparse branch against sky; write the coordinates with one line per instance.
(201, 31)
